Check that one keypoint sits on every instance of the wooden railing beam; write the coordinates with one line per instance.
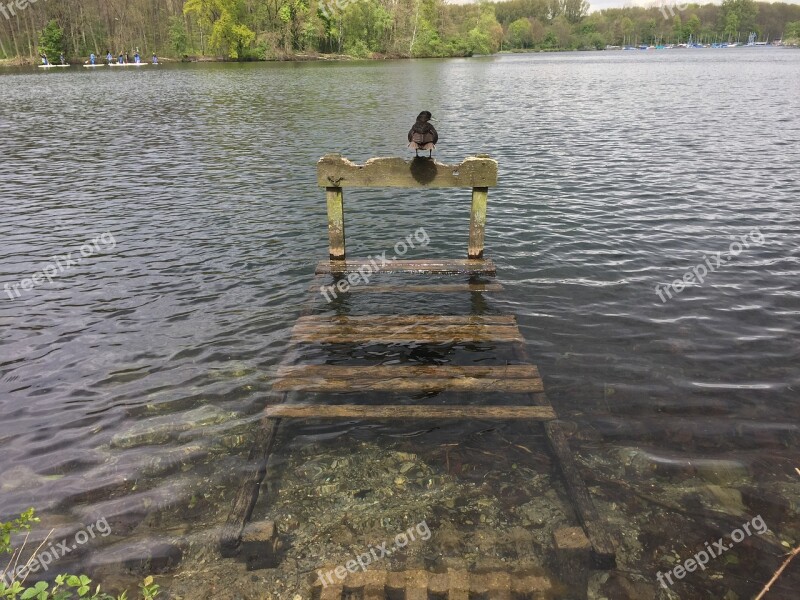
(477, 222)
(335, 198)
(474, 171)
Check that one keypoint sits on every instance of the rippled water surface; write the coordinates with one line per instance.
(132, 384)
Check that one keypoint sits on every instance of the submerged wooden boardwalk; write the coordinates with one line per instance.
(523, 380)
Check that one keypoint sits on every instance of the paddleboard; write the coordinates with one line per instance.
(93, 66)
(127, 64)
(54, 66)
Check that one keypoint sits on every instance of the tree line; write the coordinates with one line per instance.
(285, 29)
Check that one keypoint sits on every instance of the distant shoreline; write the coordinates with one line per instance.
(27, 62)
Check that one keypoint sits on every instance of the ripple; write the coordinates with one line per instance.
(132, 383)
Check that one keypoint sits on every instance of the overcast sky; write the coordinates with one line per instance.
(601, 4)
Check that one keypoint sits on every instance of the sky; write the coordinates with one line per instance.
(601, 4)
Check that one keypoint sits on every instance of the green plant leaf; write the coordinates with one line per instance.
(37, 591)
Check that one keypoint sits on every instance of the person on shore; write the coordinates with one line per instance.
(155, 59)
(422, 135)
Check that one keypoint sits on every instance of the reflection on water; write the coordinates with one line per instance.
(133, 384)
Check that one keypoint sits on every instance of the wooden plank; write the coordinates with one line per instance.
(416, 584)
(458, 584)
(474, 171)
(402, 384)
(603, 551)
(335, 201)
(392, 371)
(391, 411)
(314, 321)
(535, 586)
(332, 592)
(573, 555)
(602, 548)
(443, 288)
(430, 334)
(404, 328)
(453, 266)
(477, 222)
(371, 583)
(331, 378)
(499, 585)
(231, 534)
(438, 583)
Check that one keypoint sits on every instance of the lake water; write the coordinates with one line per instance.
(132, 384)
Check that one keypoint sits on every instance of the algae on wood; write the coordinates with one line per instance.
(333, 170)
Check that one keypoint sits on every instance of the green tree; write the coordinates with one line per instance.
(221, 19)
(51, 40)
(732, 24)
(791, 34)
(563, 32)
(677, 28)
(487, 35)
(550, 41)
(178, 38)
(738, 15)
(426, 41)
(693, 25)
(367, 22)
(649, 31)
(575, 10)
(520, 33)
(627, 30)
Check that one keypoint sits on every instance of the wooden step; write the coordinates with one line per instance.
(391, 329)
(443, 288)
(453, 266)
(418, 583)
(416, 378)
(408, 411)
(309, 321)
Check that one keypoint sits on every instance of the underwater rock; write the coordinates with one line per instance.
(725, 499)
(261, 545)
(140, 557)
(643, 464)
(621, 587)
(721, 472)
(775, 501)
(20, 478)
(447, 538)
(159, 430)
